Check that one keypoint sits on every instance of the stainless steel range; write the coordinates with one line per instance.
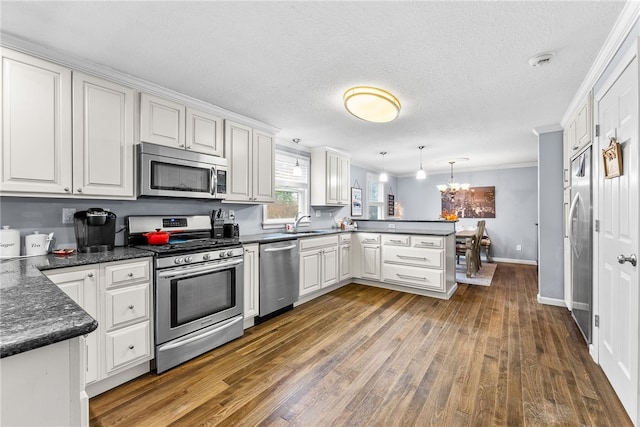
(198, 286)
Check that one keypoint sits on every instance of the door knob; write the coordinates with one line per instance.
(631, 259)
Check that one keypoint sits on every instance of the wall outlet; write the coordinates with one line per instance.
(232, 214)
(330, 213)
(518, 247)
(318, 213)
(392, 226)
(67, 215)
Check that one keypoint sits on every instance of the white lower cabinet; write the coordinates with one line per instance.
(416, 261)
(251, 280)
(119, 296)
(318, 263)
(369, 255)
(344, 257)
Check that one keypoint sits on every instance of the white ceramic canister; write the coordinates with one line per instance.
(9, 242)
(35, 244)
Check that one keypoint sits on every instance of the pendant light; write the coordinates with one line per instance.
(383, 176)
(421, 175)
(297, 170)
(451, 188)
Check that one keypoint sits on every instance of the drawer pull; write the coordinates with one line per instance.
(131, 307)
(426, 243)
(370, 240)
(131, 347)
(130, 274)
(396, 241)
(416, 258)
(404, 276)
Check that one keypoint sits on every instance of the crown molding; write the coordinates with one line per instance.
(621, 29)
(80, 64)
(556, 127)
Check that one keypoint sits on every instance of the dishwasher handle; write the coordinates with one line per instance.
(283, 248)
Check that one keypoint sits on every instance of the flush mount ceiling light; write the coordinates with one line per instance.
(541, 59)
(371, 104)
(383, 176)
(297, 170)
(421, 173)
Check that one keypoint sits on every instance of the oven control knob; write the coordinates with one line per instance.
(230, 253)
(188, 259)
(222, 254)
(206, 257)
(178, 260)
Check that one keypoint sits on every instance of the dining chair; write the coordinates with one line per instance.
(470, 248)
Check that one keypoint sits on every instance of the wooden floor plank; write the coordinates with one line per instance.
(367, 356)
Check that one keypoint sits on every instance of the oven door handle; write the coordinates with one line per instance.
(180, 343)
(192, 271)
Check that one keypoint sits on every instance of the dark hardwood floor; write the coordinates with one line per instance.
(364, 356)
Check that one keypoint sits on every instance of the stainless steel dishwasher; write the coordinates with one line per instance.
(278, 278)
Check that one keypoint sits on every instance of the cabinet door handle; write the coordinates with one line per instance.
(130, 274)
(417, 258)
(404, 276)
(79, 190)
(66, 189)
(131, 307)
(131, 347)
(90, 275)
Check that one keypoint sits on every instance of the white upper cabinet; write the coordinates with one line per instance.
(43, 153)
(102, 137)
(251, 156)
(36, 125)
(579, 129)
(169, 123)
(162, 121)
(204, 133)
(330, 177)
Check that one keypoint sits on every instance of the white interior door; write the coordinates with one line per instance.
(618, 213)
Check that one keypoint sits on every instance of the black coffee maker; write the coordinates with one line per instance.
(95, 230)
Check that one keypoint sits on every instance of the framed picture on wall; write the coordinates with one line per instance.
(391, 203)
(356, 201)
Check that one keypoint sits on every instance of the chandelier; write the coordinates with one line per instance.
(451, 188)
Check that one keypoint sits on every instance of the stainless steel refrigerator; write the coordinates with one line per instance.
(580, 236)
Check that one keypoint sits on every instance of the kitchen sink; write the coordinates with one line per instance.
(292, 234)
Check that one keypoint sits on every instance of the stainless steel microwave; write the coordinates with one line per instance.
(172, 172)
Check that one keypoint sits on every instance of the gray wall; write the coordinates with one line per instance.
(550, 183)
(516, 206)
(45, 214)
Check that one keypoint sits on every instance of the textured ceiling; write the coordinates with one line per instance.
(459, 69)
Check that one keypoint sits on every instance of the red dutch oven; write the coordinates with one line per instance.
(158, 237)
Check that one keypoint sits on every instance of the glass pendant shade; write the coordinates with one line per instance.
(297, 170)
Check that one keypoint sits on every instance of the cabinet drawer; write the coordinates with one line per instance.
(130, 272)
(431, 258)
(427, 242)
(127, 345)
(344, 239)
(127, 305)
(423, 278)
(395, 240)
(318, 242)
(368, 238)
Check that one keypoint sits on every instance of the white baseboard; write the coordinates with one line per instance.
(514, 261)
(552, 301)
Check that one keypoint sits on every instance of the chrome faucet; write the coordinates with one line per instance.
(297, 221)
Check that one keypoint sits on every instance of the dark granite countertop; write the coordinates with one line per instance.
(281, 236)
(33, 311)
